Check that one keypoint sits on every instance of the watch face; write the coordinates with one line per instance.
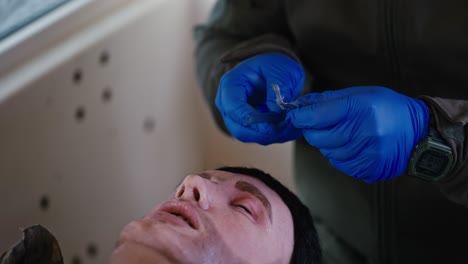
(432, 163)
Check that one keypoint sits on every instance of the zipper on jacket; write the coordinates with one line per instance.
(391, 39)
(385, 191)
(386, 223)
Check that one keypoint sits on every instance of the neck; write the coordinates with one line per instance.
(135, 253)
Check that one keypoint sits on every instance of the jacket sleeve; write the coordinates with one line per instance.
(450, 118)
(237, 30)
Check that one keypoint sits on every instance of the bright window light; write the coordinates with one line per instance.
(15, 14)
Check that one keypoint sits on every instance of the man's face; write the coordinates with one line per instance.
(212, 217)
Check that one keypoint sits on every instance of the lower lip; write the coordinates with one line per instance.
(168, 217)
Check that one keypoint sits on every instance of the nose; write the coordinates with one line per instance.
(194, 188)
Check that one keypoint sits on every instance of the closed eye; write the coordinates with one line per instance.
(244, 208)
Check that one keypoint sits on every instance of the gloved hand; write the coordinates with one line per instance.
(246, 91)
(366, 132)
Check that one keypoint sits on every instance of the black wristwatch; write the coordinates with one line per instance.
(431, 159)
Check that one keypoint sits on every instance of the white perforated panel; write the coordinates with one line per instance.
(112, 124)
(101, 139)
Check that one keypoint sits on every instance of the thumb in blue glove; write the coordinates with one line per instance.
(245, 92)
(366, 132)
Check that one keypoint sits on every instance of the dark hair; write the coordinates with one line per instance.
(306, 244)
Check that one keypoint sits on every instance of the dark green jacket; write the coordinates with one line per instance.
(418, 48)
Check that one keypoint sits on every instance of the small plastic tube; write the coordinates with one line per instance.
(263, 118)
(272, 117)
(279, 99)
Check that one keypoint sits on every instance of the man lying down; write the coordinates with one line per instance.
(227, 215)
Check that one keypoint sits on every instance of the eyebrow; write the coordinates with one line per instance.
(250, 188)
(205, 175)
(246, 187)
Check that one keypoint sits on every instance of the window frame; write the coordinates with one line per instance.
(42, 33)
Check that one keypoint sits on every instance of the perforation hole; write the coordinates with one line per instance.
(106, 95)
(104, 58)
(92, 250)
(77, 76)
(149, 124)
(80, 114)
(44, 202)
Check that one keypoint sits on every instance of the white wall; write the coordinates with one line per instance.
(127, 153)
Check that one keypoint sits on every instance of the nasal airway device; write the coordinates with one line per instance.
(273, 117)
(281, 103)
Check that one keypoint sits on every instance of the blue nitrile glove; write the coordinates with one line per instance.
(245, 91)
(366, 132)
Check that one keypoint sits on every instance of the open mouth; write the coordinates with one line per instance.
(182, 210)
(186, 220)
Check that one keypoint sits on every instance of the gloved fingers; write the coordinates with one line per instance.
(243, 81)
(367, 171)
(321, 114)
(362, 167)
(263, 133)
(347, 152)
(237, 112)
(367, 166)
(246, 115)
(232, 100)
(327, 96)
(244, 75)
(359, 167)
(246, 134)
(288, 75)
(326, 138)
(250, 84)
(272, 118)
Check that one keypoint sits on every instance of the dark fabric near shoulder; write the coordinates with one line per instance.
(451, 117)
(38, 246)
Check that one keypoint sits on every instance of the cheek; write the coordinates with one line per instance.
(240, 234)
